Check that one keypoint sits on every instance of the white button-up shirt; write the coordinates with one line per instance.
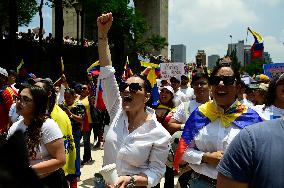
(211, 138)
(144, 150)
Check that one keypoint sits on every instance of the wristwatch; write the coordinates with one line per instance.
(131, 183)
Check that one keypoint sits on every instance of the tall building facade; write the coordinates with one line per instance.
(200, 58)
(266, 57)
(178, 53)
(156, 14)
(239, 47)
(212, 59)
(154, 11)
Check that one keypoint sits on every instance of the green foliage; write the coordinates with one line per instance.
(255, 67)
(26, 9)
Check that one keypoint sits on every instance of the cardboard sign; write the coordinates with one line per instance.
(169, 70)
(273, 70)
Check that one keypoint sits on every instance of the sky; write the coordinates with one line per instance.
(208, 24)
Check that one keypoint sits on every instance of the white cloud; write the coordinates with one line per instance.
(275, 47)
(205, 16)
(219, 49)
(271, 3)
(46, 16)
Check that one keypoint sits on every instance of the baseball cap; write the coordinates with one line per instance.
(3, 72)
(168, 88)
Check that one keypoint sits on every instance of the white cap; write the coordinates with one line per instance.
(3, 72)
(168, 88)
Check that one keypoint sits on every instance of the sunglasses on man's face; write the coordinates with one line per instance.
(133, 87)
(227, 80)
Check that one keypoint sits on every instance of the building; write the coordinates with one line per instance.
(212, 59)
(239, 47)
(200, 58)
(155, 12)
(178, 53)
(247, 54)
(266, 57)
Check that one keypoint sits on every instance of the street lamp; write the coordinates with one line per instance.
(78, 7)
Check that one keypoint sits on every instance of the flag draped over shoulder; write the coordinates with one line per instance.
(257, 47)
(239, 115)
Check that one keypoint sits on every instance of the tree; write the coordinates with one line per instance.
(255, 67)
(127, 33)
(235, 62)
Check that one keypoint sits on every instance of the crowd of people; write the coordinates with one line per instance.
(210, 130)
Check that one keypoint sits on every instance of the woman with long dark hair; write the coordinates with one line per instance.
(43, 136)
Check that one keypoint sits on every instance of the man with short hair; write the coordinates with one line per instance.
(179, 96)
(6, 100)
(185, 88)
(254, 158)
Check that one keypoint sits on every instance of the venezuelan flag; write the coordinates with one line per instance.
(127, 71)
(257, 47)
(94, 68)
(239, 115)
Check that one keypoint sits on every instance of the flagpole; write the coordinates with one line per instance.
(231, 45)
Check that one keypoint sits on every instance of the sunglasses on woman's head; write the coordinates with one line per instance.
(133, 87)
(227, 80)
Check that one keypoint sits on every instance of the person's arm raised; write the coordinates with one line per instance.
(104, 23)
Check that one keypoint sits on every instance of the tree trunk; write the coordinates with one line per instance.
(40, 23)
(58, 22)
(13, 28)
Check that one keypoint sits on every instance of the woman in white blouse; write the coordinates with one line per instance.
(44, 139)
(212, 126)
(136, 142)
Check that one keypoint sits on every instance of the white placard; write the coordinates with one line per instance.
(169, 70)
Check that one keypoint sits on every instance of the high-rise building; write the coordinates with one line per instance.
(212, 59)
(178, 53)
(247, 55)
(239, 48)
(156, 14)
(200, 58)
(266, 57)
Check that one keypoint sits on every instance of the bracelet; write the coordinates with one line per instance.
(131, 183)
(71, 116)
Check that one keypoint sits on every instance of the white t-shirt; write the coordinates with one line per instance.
(50, 132)
(13, 114)
(189, 93)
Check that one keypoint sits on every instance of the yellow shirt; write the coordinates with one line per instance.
(86, 103)
(63, 121)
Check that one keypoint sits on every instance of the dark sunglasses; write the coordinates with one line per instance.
(133, 87)
(227, 80)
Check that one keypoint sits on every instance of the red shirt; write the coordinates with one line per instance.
(6, 100)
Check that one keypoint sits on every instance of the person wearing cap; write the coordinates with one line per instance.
(185, 88)
(6, 100)
(179, 96)
(259, 93)
(200, 84)
(242, 95)
(164, 111)
(274, 103)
